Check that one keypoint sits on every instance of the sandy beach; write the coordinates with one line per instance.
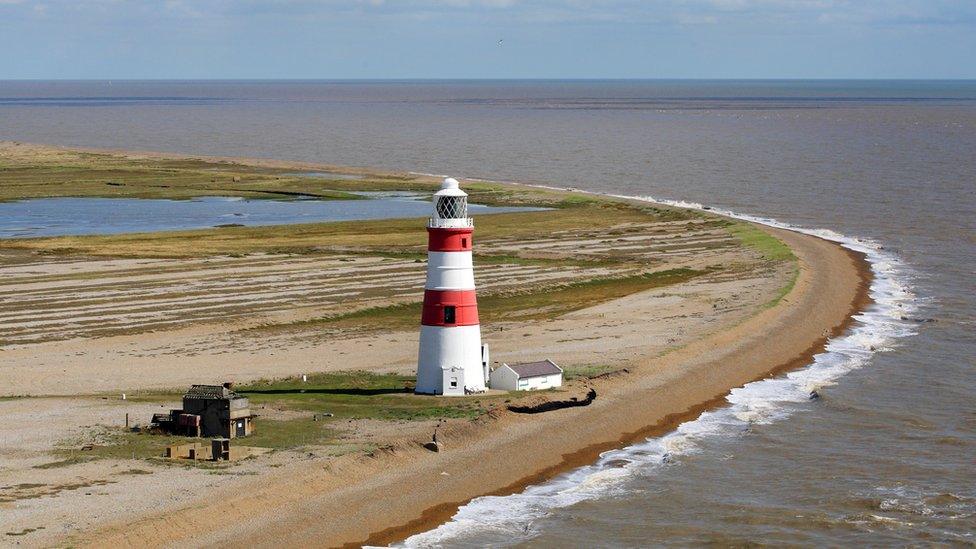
(675, 351)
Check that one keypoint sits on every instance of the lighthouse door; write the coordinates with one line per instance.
(453, 382)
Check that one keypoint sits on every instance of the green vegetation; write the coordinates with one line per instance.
(30, 172)
(321, 404)
(25, 531)
(569, 263)
(573, 296)
(771, 248)
(72, 460)
(289, 433)
(155, 180)
(115, 443)
(524, 304)
(572, 372)
(35, 490)
(39, 172)
(359, 395)
(118, 443)
(390, 236)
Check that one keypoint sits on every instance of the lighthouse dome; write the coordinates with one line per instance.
(450, 187)
(450, 206)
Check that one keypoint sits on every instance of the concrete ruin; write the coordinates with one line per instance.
(209, 411)
(219, 449)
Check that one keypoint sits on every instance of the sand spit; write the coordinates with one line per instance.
(407, 489)
(640, 324)
(75, 331)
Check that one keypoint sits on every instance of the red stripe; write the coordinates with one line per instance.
(449, 240)
(465, 305)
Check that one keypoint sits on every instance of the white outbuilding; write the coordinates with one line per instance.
(528, 376)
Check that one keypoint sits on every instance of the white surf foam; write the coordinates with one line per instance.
(508, 520)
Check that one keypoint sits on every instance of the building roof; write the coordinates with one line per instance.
(209, 392)
(533, 369)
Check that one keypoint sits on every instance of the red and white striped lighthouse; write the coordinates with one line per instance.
(451, 360)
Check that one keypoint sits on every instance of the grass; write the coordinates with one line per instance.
(115, 443)
(148, 181)
(24, 532)
(569, 263)
(566, 298)
(67, 462)
(385, 236)
(771, 248)
(572, 372)
(31, 172)
(118, 443)
(526, 304)
(290, 433)
(359, 395)
(344, 395)
(30, 490)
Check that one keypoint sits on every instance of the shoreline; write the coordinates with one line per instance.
(435, 516)
(337, 505)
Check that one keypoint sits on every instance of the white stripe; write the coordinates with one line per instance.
(449, 271)
(448, 352)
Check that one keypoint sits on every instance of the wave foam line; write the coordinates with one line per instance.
(509, 520)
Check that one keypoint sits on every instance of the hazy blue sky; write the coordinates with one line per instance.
(487, 39)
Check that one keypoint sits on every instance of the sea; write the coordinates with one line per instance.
(885, 456)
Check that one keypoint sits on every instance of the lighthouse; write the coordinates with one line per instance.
(452, 360)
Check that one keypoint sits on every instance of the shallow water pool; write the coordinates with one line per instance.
(81, 216)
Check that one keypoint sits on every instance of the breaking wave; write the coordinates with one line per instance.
(509, 520)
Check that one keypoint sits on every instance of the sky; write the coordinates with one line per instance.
(401, 39)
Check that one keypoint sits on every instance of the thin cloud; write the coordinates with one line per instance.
(688, 12)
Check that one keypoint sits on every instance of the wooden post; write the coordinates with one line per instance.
(127, 420)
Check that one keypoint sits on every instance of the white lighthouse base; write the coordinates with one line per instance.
(450, 361)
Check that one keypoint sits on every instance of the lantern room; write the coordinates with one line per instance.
(450, 207)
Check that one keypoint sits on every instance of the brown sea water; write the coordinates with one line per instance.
(886, 456)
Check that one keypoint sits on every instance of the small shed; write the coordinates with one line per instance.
(527, 376)
(215, 411)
